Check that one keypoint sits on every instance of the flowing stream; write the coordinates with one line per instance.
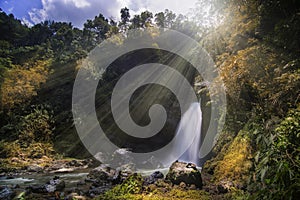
(25, 180)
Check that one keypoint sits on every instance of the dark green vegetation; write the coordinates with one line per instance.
(256, 49)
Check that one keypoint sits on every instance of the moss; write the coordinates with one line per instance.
(14, 156)
(132, 188)
(236, 194)
(132, 185)
(236, 164)
(173, 194)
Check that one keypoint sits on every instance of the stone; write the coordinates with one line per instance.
(97, 191)
(75, 196)
(36, 189)
(182, 185)
(192, 187)
(63, 170)
(101, 175)
(154, 177)
(184, 172)
(55, 184)
(34, 168)
(6, 193)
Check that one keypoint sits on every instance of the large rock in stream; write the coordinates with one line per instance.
(101, 175)
(53, 185)
(186, 173)
(105, 175)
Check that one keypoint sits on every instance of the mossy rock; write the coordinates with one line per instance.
(184, 172)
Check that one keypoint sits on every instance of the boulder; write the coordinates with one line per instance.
(154, 177)
(53, 185)
(101, 175)
(186, 173)
(6, 193)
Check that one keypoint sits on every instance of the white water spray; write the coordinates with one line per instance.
(190, 127)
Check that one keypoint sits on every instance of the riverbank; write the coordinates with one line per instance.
(182, 181)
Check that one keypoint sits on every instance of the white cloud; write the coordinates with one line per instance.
(78, 11)
(38, 15)
(26, 22)
(79, 3)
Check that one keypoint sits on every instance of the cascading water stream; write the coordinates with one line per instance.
(190, 125)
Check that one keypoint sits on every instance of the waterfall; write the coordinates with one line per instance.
(190, 128)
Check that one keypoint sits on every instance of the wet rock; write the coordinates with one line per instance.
(154, 177)
(101, 175)
(35, 168)
(97, 191)
(6, 193)
(81, 182)
(76, 190)
(36, 189)
(16, 186)
(122, 175)
(184, 172)
(53, 185)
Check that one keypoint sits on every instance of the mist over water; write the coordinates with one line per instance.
(190, 129)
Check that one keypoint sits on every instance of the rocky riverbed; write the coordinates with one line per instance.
(76, 179)
(79, 179)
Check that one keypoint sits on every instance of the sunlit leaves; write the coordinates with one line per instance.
(22, 82)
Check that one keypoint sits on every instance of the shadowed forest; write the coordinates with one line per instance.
(256, 48)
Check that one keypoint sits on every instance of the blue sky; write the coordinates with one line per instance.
(78, 11)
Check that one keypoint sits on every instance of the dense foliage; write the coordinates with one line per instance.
(256, 50)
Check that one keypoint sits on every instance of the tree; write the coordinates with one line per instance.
(125, 18)
(95, 30)
(146, 18)
(160, 19)
(12, 30)
(136, 22)
(169, 18)
(40, 33)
